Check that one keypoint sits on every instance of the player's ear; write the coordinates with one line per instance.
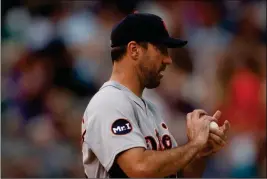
(133, 50)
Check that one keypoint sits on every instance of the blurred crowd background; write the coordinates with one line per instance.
(56, 55)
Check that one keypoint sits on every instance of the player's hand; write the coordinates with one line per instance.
(217, 138)
(198, 127)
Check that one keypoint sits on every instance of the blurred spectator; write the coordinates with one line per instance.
(243, 107)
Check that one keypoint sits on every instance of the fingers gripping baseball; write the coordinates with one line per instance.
(216, 139)
(198, 127)
(199, 113)
(218, 135)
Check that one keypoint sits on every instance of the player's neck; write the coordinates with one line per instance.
(127, 78)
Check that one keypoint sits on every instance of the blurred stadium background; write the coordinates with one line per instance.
(56, 55)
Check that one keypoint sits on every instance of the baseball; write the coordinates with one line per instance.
(214, 125)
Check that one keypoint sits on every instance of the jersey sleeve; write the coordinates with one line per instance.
(112, 128)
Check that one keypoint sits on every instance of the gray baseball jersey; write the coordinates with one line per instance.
(116, 120)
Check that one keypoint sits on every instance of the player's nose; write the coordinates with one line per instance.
(167, 60)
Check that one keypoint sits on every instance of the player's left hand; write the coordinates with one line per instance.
(217, 138)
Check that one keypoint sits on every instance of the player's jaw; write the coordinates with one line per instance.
(153, 77)
(152, 68)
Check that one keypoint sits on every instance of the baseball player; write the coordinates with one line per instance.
(123, 134)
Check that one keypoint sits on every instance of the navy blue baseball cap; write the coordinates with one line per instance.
(143, 27)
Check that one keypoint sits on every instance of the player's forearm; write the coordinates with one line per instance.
(195, 168)
(168, 162)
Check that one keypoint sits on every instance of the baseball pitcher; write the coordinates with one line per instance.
(123, 134)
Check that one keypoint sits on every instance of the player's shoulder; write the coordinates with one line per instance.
(109, 96)
(108, 103)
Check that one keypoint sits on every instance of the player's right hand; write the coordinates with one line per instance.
(198, 127)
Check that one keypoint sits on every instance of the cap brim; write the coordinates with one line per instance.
(174, 43)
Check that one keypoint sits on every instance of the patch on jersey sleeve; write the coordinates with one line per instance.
(121, 127)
